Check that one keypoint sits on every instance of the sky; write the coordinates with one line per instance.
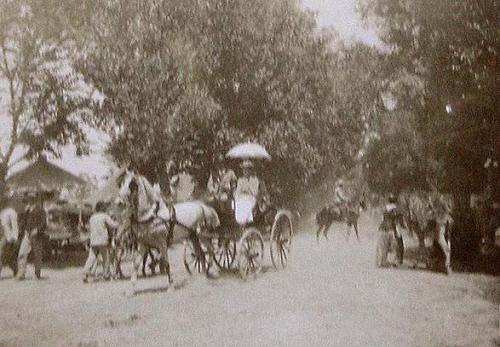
(337, 14)
(341, 16)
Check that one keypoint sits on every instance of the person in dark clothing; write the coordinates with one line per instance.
(34, 224)
(390, 236)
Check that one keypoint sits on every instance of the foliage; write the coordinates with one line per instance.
(44, 102)
(440, 54)
(186, 80)
(442, 68)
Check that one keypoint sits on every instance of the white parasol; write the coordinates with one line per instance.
(248, 151)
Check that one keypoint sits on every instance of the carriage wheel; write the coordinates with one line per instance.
(250, 253)
(224, 253)
(194, 262)
(281, 240)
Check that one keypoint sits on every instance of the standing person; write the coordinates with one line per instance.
(9, 230)
(442, 214)
(34, 225)
(99, 240)
(390, 233)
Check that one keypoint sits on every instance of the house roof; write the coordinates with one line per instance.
(42, 174)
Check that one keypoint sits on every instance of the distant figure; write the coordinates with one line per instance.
(9, 230)
(173, 187)
(443, 219)
(222, 183)
(99, 223)
(34, 224)
(173, 181)
(340, 197)
(250, 194)
(390, 236)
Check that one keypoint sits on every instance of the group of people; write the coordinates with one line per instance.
(22, 234)
(249, 193)
(438, 222)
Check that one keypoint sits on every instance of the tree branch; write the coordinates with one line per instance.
(18, 160)
(13, 108)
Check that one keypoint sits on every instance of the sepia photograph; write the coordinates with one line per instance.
(249, 173)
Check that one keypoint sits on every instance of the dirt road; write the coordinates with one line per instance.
(330, 295)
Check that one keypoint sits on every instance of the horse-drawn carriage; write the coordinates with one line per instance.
(238, 239)
(242, 244)
(213, 235)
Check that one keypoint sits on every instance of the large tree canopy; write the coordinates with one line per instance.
(442, 66)
(186, 80)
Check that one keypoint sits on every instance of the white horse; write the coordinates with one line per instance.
(153, 222)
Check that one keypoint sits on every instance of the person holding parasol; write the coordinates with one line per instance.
(251, 194)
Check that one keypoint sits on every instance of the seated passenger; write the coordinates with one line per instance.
(222, 183)
(250, 193)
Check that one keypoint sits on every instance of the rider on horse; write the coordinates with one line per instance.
(341, 200)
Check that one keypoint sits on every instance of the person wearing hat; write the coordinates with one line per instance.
(34, 224)
(9, 230)
(250, 192)
(221, 183)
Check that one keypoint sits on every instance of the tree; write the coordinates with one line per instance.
(445, 55)
(186, 80)
(44, 103)
(442, 63)
(139, 57)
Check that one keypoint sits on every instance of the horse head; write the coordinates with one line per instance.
(144, 197)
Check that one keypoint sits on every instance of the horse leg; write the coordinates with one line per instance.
(348, 231)
(154, 262)
(165, 262)
(145, 260)
(326, 229)
(445, 247)
(137, 261)
(118, 262)
(319, 232)
(356, 230)
(198, 250)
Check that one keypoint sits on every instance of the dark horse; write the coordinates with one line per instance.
(341, 214)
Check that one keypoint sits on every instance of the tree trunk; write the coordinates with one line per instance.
(3, 179)
(464, 236)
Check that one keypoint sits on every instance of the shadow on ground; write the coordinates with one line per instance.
(481, 268)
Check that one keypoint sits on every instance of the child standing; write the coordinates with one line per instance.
(99, 240)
